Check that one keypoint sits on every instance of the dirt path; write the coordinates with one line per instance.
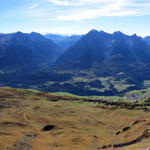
(32, 122)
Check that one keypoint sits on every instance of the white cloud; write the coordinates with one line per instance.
(33, 6)
(59, 2)
(77, 10)
(91, 9)
(83, 2)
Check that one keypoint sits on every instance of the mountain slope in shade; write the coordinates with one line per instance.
(121, 58)
(88, 52)
(147, 38)
(141, 49)
(28, 50)
(4, 42)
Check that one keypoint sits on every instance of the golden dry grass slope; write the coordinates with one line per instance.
(77, 125)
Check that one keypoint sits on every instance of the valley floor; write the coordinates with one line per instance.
(74, 124)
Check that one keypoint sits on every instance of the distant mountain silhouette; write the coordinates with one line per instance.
(63, 41)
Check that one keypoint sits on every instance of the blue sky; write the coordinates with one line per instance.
(75, 16)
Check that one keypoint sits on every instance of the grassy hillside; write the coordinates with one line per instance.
(75, 123)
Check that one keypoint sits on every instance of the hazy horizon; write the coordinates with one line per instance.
(71, 34)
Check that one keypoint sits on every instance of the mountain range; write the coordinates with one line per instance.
(62, 63)
(20, 51)
(111, 53)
